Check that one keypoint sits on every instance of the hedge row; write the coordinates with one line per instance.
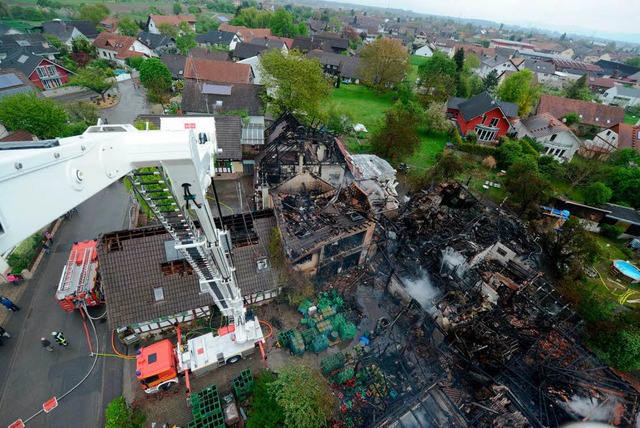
(476, 149)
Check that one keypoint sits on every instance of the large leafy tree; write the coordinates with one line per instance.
(97, 79)
(281, 24)
(294, 83)
(384, 64)
(520, 88)
(304, 395)
(526, 188)
(266, 412)
(490, 81)
(252, 18)
(579, 90)
(596, 193)
(187, 38)
(396, 136)
(168, 30)
(437, 78)
(93, 12)
(42, 117)
(156, 77)
(128, 27)
(571, 245)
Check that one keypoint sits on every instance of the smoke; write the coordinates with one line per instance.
(455, 262)
(422, 291)
(592, 409)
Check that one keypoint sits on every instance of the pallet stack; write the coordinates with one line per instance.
(206, 409)
(243, 385)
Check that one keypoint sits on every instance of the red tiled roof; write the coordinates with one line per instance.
(117, 43)
(576, 65)
(590, 113)
(217, 71)
(600, 82)
(172, 19)
(478, 50)
(628, 136)
(246, 34)
(20, 135)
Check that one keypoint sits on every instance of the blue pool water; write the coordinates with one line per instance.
(627, 269)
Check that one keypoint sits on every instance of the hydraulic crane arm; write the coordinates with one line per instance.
(40, 181)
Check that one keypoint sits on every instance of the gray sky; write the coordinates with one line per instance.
(590, 17)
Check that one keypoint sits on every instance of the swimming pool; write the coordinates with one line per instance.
(627, 269)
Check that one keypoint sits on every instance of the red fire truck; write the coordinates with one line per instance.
(80, 281)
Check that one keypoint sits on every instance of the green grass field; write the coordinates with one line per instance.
(363, 104)
(630, 119)
(425, 156)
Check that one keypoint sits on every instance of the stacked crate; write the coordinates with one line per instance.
(333, 362)
(319, 344)
(284, 337)
(296, 343)
(324, 327)
(206, 409)
(304, 307)
(309, 335)
(347, 331)
(243, 384)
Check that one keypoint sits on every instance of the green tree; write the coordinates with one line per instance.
(563, 37)
(93, 12)
(177, 8)
(571, 246)
(156, 77)
(168, 30)
(579, 90)
(96, 79)
(619, 346)
(395, 135)
(83, 45)
(549, 167)
(448, 165)
(435, 118)
(525, 187)
(266, 413)
(520, 88)
(4, 9)
(281, 24)
(490, 81)
(187, 38)
(128, 27)
(119, 415)
(437, 76)
(42, 117)
(294, 83)
(596, 194)
(458, 58)
(384, 63)
(635, 61)
(82, 111)
(571, 118)
(305, 397)
(252, 18)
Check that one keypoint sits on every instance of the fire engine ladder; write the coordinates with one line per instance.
(68, 277)
(153, 186)
(86, 264)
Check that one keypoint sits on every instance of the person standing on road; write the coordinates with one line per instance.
(46, 344)
(60, 339)
(48, 236)
(3, 334)
(13, 279)
(9, 304)
(46, 248)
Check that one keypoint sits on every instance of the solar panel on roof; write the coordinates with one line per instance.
(216, 89)
(9, 80)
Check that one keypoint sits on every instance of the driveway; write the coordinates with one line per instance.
(133, 101)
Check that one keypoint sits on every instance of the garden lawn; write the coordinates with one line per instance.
(425, 156)
(364, 105)
(630, 118)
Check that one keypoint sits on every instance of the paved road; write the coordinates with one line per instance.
(132, 103)
(29, 375)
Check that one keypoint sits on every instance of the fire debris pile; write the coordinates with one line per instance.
(505, 343)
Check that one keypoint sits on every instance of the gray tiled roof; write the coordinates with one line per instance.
(623, 213)
(87, 28)
(175, 64)
(243, 96)
(37, 44)
(349, 66)
(228, 135)
(482, 103)
(247, 50)
(130, 274)
(216, 37)
(22, 60)
(154, 41)
(539, 66)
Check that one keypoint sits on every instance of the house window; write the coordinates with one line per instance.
(52, 70)
(158, 294)
(608, 133)
(485, 134)
(104, 54)
(41, 72)
(494, 121)
(553, 137)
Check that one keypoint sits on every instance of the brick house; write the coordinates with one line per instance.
(489, 117)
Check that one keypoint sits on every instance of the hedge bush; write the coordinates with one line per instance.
(24, 253)
(476, 149)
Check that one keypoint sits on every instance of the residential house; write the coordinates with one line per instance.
(490, 118)
(316, 25)
(543, 70)
(624, 217)
(598, 85)
(511, 44)
(66, 31)
(5, 29)
(249, 50)
(589, 113)
(336, 65)
(547, 47)
(20, 135)
(287, 41)
(501, 65)
(444, 45)
(149, 287)
(578, 68)
(217, 71)
(33, 44)
(321, 41)
(254, 62)
(480, 51)
(158, 42)
(154, 21)
(272, 42)
(115, 47)
(617, 137)
(13, 81)
(209, 54)
(555, 136)
(245, 34)
(109, 24)
(622, 96)
(616, 69)
(40, 71)
(218, 40)
(425, 51)
(175, 64)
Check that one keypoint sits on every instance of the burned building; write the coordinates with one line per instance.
(149, 286)
(323, 231)
(497, 345)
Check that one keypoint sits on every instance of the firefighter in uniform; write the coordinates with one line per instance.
(59, 338)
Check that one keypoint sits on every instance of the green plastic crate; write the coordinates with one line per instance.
(347, 331)
(333, 362)
(308, 335)
(297, 345)
(319, 344)
(304, 306)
